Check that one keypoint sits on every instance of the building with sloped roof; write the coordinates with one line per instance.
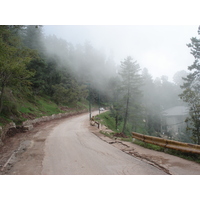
(173, 119)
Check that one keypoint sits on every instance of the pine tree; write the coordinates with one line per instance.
(33, 38)
(191, 92)
(149, 101)
(114, 97)
(131, 81)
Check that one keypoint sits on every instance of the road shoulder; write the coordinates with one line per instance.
(168, 163)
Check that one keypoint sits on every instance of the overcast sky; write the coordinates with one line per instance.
(161, 49)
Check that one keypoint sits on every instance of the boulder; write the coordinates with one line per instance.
(28, 127)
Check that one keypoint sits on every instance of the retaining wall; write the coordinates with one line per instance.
(29, 124)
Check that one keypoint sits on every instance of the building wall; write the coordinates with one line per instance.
(175, 124)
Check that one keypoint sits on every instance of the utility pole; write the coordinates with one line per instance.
(88, 84)
(89, 102)
(99, 103)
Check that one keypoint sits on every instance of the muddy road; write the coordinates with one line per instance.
(71, 146)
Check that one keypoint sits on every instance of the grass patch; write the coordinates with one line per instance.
(107, 120)
(24, 110)
(47, 107)
(129, 139)
(38, 108)
(149, 146)
(106, 134)
(188, 156)
(83, 105)
(184, 155)
(4, 120)
(18, 107)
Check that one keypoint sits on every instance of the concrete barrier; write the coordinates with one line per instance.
(171, 144)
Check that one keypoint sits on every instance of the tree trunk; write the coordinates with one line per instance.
(198, 136)
(126, 114)
(1, 97)
(116, 121)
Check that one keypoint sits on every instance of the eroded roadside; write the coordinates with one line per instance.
(23, 153)
(170, 164)
(127, 148)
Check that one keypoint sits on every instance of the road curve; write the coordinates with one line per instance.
(71, 149)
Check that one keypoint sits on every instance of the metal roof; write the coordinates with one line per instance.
(176, 111)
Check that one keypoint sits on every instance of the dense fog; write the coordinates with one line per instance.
(141, 74)
(100, 68)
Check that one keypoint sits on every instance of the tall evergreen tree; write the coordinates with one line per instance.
(114, 97)
(131, 82)
(33, 38)
(191, 90)
(149, 101)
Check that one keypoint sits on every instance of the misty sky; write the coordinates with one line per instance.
(161, 49)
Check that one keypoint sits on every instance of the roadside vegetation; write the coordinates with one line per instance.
(38, 75)
(22, 109)
(107, 120)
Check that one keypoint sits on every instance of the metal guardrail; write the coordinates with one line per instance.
(171, 144)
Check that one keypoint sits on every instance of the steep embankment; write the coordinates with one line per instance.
(26, 112)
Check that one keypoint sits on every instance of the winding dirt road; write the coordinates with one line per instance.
(71, 146)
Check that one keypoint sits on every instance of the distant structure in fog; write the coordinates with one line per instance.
(173, 120)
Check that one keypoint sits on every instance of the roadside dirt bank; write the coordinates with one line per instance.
(26, 149)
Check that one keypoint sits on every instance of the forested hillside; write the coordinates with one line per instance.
(43, 74)
(36, 70)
